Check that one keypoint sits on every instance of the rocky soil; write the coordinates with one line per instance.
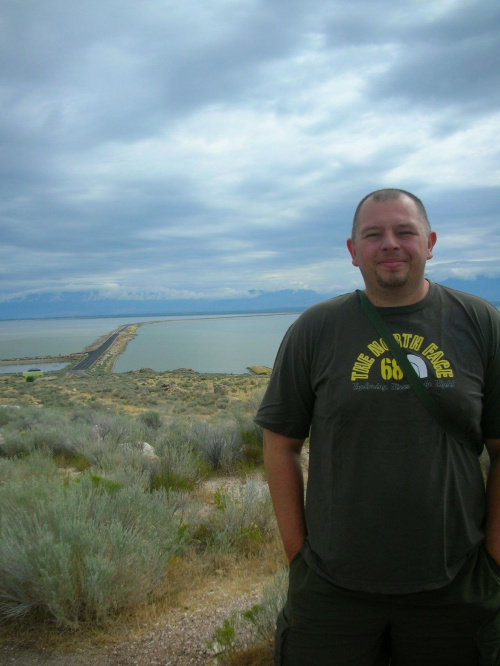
(181, 637)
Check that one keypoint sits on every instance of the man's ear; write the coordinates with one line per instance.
(352, 251)
(431, 241)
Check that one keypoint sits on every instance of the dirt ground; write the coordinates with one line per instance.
(179, 637)
(179, 632)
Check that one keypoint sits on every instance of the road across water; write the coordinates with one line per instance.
(93, 356)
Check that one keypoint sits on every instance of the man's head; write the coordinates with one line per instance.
(385, 195)
(391, 242)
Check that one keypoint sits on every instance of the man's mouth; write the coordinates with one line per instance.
(391, 263)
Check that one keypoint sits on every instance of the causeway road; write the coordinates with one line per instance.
(93, 356)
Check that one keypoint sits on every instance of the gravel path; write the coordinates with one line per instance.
(184, 632)
(180, 639)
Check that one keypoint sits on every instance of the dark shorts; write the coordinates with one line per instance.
(458, 625)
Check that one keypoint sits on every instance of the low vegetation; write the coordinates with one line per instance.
(260, 618)
(106, 482)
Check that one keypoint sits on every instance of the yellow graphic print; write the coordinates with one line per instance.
(386, 368)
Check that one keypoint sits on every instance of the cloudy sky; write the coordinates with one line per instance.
(207, 148)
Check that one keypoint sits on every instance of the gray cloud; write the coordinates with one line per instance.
(221, 147)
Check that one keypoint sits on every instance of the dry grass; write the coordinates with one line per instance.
(192, 584)
(193, 581)
(257, 655)
(175, 393)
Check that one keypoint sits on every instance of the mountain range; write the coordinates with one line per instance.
(88, 304)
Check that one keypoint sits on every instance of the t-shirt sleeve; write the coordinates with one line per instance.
(288, 403)
(491, 395)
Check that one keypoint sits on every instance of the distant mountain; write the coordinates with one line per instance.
(488, 288)
(88, 304)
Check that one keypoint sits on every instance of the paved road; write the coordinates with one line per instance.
(94, 356)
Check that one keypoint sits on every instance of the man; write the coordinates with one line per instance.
(397, 545)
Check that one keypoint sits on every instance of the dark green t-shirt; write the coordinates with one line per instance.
(393, 503)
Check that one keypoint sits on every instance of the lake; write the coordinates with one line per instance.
(225, 343)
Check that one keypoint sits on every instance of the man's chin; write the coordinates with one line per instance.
(395, 282)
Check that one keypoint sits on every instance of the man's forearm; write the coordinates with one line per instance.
(286, 485)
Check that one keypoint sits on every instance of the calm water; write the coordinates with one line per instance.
(210, 345)
(50, 337)
(205, 344)
(46, 367)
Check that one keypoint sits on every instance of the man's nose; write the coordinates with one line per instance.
(389, 241)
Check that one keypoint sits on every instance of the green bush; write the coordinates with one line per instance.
(178, 466)
(114, 428)
(16, 443)
(220, 446)
(261, 619)
(29, 429)
(253, 452)
(244, 517)
(7, 414)
(151, 419)
(80, 551)
(76, 460)
(56, 436)
(263, 616)
(38, 464)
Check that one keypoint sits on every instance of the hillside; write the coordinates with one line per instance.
(204, 586)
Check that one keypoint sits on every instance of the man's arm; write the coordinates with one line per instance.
(492, 538)
(286, 485)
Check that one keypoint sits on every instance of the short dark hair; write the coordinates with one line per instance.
(384, 195)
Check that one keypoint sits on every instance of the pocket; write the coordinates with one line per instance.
(488, 642)
(282, 627)
(493, 566)
(295, 559)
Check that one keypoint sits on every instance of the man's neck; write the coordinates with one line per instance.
(395, 297)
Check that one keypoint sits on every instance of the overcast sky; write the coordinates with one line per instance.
(180, 149)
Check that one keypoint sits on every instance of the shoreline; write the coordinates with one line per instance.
(40, 360)
(174, 317)
(124, 334)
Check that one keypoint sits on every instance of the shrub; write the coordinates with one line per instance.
(38, 464)
(179, 466)
(29, 417)
(124, 464)
(220, 447)
(113, 428)
(29, 429)
(253, 452)
(57, 439)
(87, 415)
(56, 436)
(243, 519)
(261, 619)
(81, 551)
(76, 460)
(151, 419)
(251, 433)
(263, 616)
(7, 414)
(16, 444)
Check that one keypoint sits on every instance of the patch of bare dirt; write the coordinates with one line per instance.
(181, 637)
(202, 596)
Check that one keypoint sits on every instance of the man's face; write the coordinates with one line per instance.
(391, 247)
